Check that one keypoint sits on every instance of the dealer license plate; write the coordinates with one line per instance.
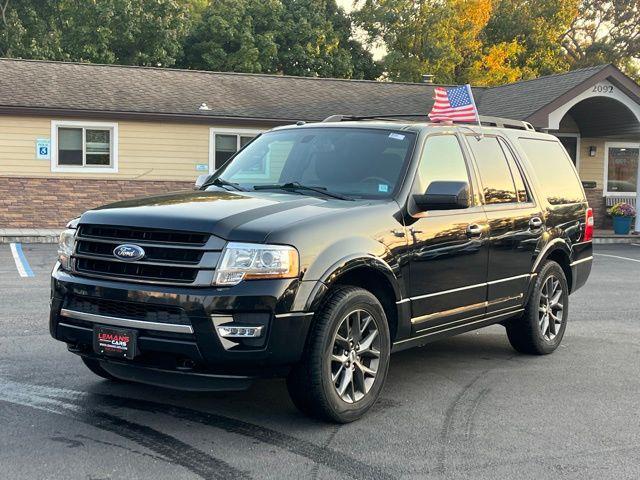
(114, 342)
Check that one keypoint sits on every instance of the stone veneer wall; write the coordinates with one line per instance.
(596, 201)
(52, 202)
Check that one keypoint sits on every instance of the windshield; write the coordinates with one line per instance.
(358, 162)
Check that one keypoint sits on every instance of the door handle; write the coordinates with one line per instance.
(535, 222)
(474, 230)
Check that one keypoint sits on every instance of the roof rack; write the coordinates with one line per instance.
(485, 120)
(505, 123)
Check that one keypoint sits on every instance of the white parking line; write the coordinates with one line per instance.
(21, 261)
(617, 256)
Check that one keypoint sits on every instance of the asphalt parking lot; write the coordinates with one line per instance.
(467, 407)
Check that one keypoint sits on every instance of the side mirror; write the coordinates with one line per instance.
(201, 180)
(444, 196)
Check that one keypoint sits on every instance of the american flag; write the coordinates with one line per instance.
(454, 104)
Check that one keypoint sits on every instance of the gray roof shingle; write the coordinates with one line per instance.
(77, 87)
(521, 99)
(70, 86)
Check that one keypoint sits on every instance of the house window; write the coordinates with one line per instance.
(84, 147)
(225, 143)
(621, 168)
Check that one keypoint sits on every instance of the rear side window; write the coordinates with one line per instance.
(554, 170)
(495, 174)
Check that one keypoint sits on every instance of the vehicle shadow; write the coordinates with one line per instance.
(267, 400)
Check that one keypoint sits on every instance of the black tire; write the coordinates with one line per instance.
(526, 333)
(95, 367)
(310, 382)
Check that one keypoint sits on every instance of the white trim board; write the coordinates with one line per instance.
(55, 124)
(594, 91)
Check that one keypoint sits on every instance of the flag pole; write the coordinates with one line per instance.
(475, 107)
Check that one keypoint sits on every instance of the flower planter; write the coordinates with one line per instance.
(622, 225)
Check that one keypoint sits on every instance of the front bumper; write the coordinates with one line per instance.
(193, 346)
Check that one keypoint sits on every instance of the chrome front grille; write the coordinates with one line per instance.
(129, 310)
(171, 257)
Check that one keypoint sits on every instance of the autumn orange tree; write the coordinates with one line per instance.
(478, 41)
(425, 36)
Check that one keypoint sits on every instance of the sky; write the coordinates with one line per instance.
(377, 51)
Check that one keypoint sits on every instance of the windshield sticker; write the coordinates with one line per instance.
(396, 136)
(383, 187)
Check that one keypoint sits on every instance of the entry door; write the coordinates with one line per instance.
(515, 223)
(449, 252)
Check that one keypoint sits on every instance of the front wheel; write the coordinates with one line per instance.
(346, 360)
(540, 329)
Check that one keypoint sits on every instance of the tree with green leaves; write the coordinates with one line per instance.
(459, 41)
(531, 32)
(292, 37)
(605, 32)
(134, 32)
(425, 36)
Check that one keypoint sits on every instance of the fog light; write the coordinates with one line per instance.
(239, 332)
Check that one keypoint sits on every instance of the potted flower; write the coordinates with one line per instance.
(622, 214)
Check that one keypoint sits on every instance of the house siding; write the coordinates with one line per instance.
(146, 150)
(153, 158)
(592, 168)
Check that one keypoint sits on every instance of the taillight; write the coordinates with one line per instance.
(588, 226)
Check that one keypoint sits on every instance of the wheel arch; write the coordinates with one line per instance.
(559, 251)
(372, 274)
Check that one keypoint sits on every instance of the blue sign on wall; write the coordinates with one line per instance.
(43, 149)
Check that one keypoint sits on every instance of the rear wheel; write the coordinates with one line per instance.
(345, 363)
(96, 368)
(540, 330)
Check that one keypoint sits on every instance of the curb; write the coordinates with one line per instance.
(29, 235)
(620, 239)
(29, 239)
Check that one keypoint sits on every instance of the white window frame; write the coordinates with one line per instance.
(113, 147)
(213, 131)
(577, 137)
(607, 145)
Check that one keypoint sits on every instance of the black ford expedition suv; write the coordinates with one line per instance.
(320, 249)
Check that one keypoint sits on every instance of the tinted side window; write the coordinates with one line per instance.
(497, 182)
(442, 160)
(516, 173)
(554, 170)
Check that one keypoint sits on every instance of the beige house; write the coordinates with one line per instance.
(74, 136)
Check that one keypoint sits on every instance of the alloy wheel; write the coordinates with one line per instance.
(355, 355)
(551, 308)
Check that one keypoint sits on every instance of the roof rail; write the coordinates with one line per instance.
(505, 123)
(346, 118)
(485, 120)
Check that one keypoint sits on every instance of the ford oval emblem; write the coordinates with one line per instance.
(128, 253)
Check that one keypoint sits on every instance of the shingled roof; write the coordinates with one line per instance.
(35, 86)
(110, 88)
(520, 100)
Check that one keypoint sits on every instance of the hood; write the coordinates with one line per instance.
(221, 213)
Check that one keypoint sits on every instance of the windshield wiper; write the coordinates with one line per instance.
(298, 187)
(219, 182)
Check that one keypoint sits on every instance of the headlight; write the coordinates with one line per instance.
(65, 247)
(249, 261)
